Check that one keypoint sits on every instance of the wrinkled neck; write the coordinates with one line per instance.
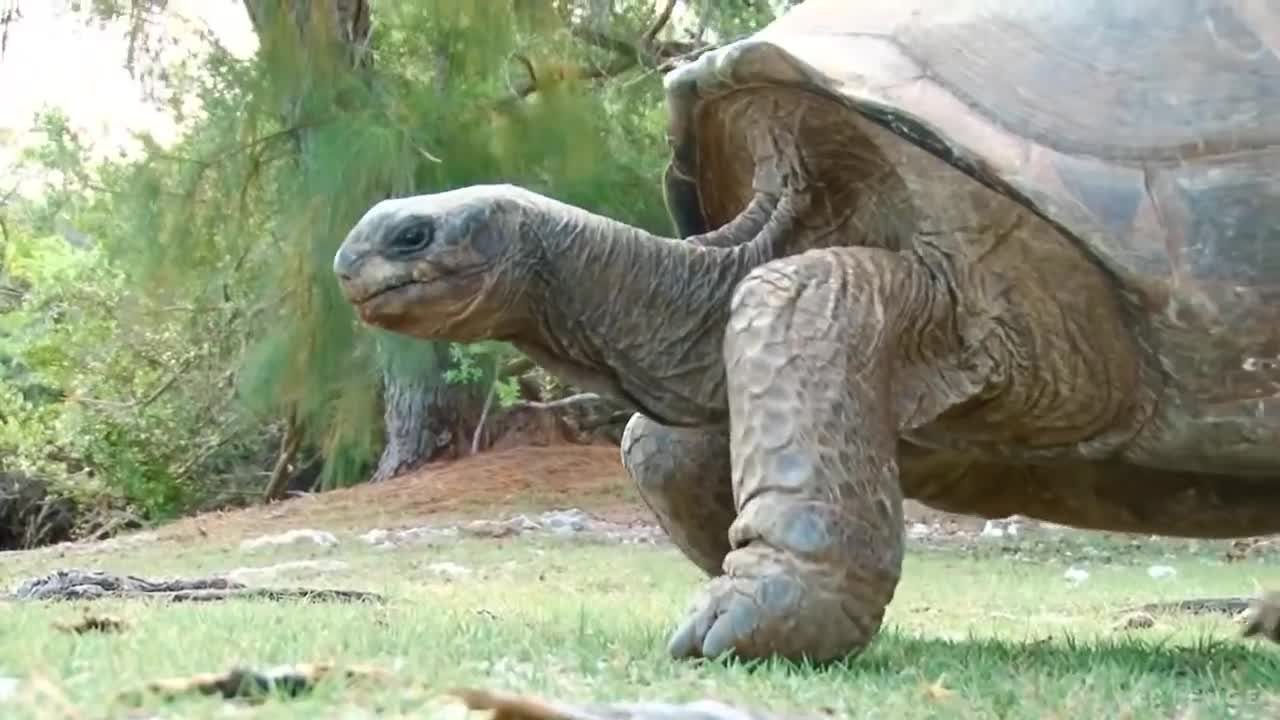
(638, 316)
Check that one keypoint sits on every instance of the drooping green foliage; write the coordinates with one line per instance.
(219, 247)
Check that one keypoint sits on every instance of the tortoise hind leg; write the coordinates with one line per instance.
(683, 476)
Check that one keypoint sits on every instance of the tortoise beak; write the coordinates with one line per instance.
(344, 264)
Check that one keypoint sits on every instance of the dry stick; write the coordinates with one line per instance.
(1197, 606)
(484, 415)
(288, 450)
(81, 585)
(570, 401)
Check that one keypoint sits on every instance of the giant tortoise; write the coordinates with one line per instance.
(999, 256)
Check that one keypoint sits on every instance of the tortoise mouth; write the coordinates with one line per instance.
(460, 275)
(390, 305)
(414, 296)
(368, 297)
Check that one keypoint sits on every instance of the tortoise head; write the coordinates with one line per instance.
(447, 266)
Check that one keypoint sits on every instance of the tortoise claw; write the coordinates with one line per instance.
(713, 627)
(778, 613)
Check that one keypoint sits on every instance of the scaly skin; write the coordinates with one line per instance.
(818, 540)
(969, 356)
(818, 362)
(684, 476)
(504, 263)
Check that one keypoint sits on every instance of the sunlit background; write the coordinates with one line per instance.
(55, 57)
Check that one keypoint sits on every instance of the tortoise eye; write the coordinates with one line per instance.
(412, 239)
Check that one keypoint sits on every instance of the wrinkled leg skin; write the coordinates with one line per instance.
(810, 351)
(683, 476)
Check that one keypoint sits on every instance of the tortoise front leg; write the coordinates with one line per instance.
(683, 476)
(821, 352)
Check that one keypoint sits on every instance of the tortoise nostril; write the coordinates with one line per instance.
(343, 265)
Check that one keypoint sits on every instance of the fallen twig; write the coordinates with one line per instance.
(1260, 616)
(290, 681)
(94, 585)
(505, 706)
(89, 623)
(564, 402)
(1199, 606)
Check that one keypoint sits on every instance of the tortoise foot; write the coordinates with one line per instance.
(766, 607)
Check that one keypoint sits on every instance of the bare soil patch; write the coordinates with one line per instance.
(488, 485)
(493, 484)
(589, 477)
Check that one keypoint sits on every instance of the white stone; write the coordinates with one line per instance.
(1075, 575)
(448, 569)
(291, 537)
(249, 575)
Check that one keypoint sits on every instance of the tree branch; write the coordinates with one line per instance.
(648, 52)
(658, 23)
(604, 42)
(564, 402)
(144, 402)
(484, 415)
(289, 446)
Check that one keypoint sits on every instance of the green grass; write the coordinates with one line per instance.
(995, 625)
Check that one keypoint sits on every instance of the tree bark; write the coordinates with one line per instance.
(426, 419)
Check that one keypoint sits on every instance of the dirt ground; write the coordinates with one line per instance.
(587, 477)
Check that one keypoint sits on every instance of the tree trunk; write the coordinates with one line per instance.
(425, 417)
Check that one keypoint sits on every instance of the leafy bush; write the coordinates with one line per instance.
(102, 393)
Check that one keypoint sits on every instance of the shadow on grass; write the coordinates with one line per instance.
(1207, 663)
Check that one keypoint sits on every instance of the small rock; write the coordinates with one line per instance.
(383, 538)
(249, 575)
(448, 569)
(991, 530)
(1136, 621)
(918, 530)
(1075, 575)
(292, 537)
(1161, 571)
(566, 521)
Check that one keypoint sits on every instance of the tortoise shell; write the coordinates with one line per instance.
(1144, 131)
